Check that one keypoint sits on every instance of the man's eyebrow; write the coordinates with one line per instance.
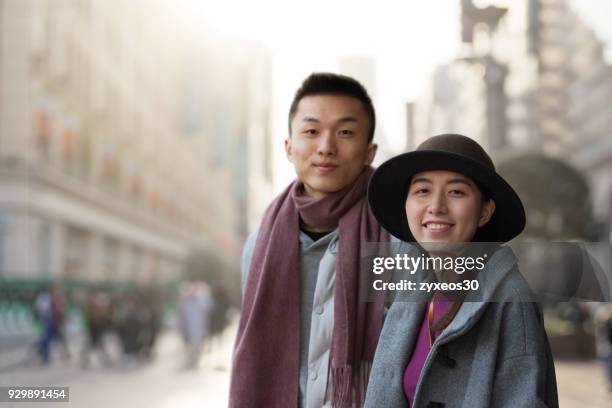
(341, 120)
(347, 119)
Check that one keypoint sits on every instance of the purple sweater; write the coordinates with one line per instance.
(422, 347)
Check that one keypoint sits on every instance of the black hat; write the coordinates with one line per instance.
(389, 186)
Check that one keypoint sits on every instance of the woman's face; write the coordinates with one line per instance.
(444, 206)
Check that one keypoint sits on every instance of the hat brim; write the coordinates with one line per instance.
(389, 185)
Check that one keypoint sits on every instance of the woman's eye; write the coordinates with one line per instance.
(421, 191)
(457, 193)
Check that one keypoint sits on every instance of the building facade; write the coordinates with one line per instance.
(532, 77)
(117, 157)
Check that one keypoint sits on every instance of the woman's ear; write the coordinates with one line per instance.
(488, 208)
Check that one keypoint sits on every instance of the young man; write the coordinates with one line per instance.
(305, 339)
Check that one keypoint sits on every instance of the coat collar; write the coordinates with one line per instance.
(500, 264)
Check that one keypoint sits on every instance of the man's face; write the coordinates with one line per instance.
(329, 143)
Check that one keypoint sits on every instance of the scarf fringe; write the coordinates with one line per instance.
(342, 386)
(348, 386)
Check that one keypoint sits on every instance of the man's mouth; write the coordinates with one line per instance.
(325, 167)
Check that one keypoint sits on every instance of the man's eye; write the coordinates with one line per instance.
(346, 132)
(457, 192)
(310, 132)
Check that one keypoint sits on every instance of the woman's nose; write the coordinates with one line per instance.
(437, 204)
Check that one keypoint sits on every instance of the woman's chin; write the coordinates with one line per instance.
(442, 247)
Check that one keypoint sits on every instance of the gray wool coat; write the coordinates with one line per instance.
(494, 353)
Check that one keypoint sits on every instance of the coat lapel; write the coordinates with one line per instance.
(496, 269)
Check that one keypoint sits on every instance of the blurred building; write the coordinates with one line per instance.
(228, 112)
(363, 69)
(467, 95)
(532, 76)
(530, 39)
(559, 90)
(118, 140)
(590, 98)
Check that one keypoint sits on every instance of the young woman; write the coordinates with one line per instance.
(483, 347)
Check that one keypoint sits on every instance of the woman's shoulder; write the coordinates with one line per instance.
(521, 319)
(514, 288)
(503, 279)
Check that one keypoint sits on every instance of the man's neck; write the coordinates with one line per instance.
(315, 236)
(308, 228)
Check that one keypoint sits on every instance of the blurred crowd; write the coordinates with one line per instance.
(133, 316)
(120, 327)
(117, 327)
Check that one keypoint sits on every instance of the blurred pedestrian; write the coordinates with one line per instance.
(195, 306)
(58, 310)
(602, 317)
(44, 313)
(609, 333)
(151, 306)
(97, 322)
(129, 322)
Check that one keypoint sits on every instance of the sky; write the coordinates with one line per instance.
(597, 14)
(405, 39)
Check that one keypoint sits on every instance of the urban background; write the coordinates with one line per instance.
(137, 151)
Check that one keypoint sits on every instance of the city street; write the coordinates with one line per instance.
(164, 383)
(155, 153)
(582, 385)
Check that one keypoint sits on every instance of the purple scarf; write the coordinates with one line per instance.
(266, 360)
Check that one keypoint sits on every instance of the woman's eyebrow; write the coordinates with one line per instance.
(461, 181)
(421, 180)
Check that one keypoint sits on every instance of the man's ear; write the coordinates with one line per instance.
(288, 149)
(488, 208)
(372, 148)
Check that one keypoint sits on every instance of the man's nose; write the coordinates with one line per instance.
(327, 144)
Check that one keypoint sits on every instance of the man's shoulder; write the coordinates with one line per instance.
(249, 245)
(250, 241)
(247, 254)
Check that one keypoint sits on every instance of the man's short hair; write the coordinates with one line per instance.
(324, 83)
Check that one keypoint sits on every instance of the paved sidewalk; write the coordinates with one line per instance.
(14, 350)
(582, 385)
(164, 383)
